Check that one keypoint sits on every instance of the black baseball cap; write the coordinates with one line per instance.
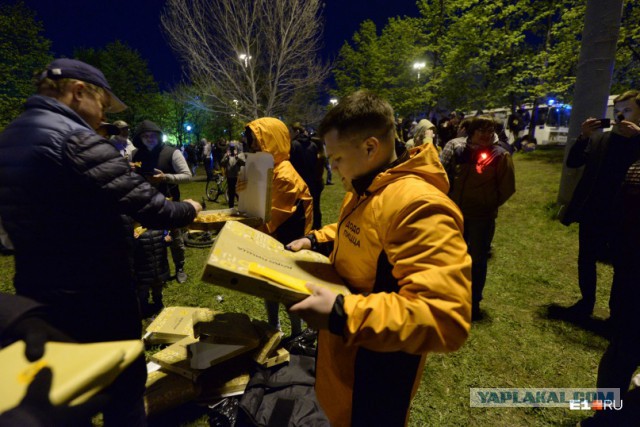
(66, 68)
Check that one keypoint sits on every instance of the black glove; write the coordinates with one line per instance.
(36, 409)
(35, 332)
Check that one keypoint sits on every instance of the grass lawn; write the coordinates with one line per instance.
(516, 345)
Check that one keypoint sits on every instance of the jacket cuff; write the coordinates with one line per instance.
(337, 317)
(314, 241)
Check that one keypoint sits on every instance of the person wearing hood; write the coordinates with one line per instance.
(165, 168)
(423, 134)
(291, 201)
(398, 245)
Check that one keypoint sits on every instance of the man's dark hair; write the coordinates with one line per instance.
(481, 122)
(361, 114)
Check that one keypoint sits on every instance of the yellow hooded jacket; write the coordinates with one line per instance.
(288, 187)
(399, 246)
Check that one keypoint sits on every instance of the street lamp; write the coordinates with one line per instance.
(244, 58)
(419, 66)
(333, 101)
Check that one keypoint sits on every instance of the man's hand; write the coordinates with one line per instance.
(35, 332)
(296, 245)
(589, 126)
(157, 177)
(196, 205)
(315, 309)
(627, 129)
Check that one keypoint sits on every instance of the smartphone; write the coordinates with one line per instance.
(605, 123)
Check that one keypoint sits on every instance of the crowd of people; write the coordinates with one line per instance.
(412, 240)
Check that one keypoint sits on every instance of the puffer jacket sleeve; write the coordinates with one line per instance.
(432, 309)
(102, 169)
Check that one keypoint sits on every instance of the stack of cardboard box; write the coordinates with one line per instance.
(210, 355)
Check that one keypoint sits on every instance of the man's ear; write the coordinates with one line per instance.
(372, 146)
(78, 91)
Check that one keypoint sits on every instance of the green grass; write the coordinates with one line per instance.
(534, 265)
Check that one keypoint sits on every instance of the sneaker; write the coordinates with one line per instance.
(181, 276)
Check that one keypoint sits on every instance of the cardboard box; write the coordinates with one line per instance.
(202, 224)
(270, 338)
(255, 200)
(175, 358)
(167, 390)
(254, 206)
(238, 246)
(228, 328)
(175, 323)
(79, 371)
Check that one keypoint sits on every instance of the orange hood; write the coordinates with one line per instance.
(273, 137)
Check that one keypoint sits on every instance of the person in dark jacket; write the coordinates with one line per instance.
(606, 157)
(73, 242)
(151, 268)
(164, 167)
(622, 356)
(482, 178)
(306, 160)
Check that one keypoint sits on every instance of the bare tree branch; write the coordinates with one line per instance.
(248, 56)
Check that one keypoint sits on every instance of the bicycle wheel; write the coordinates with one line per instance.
(211, 190)
(222, 189)
(199, 239)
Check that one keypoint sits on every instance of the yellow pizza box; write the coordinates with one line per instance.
(167, 390)
(249, 261)
(214, 220)
(78, 370)
(175, 323)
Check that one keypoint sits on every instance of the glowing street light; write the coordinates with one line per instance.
(244, 58)
(333, 101)
(419, 66)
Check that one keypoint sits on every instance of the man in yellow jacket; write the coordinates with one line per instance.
(291, 201)
(399, 247)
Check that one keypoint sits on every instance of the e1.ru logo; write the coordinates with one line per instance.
(594, 405)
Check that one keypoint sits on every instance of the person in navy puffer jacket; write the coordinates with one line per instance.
(67, 198)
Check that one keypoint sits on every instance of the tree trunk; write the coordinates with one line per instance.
(593, 79)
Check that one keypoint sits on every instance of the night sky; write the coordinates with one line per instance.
(94, 23)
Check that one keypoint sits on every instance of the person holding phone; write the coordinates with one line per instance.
(606, 156)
